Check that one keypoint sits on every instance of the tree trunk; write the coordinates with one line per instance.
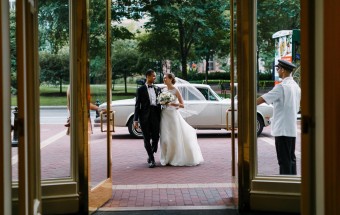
(183, 50)
(61, 85)
(184, 68)
(206, 68)
(125, 77)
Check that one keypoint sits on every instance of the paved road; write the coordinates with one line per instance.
(54, 115)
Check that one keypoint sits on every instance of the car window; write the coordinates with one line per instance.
(188, 95)
(204, 92)
(207, 94)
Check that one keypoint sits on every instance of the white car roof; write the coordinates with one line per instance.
(195, 85)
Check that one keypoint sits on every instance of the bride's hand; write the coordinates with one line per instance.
(176, 105)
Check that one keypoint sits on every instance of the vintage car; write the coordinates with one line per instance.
(209, 112)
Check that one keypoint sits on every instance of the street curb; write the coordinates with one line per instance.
(46, 107)
(53, 107)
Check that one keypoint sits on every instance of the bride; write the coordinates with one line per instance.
(178, 141)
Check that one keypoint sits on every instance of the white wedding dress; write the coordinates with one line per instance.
(178, 141)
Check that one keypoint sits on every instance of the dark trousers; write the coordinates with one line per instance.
(285, 150)
(150, 131)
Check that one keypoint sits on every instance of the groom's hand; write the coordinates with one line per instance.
(135, 124)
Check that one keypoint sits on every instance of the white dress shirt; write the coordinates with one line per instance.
(285, 98)
(152, 95)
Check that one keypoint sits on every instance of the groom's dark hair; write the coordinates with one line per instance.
(149, 72)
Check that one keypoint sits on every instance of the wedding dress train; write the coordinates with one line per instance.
(178, 140)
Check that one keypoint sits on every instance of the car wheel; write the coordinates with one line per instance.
(259, 125)
(136, 133)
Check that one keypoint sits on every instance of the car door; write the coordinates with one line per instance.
(210, 110)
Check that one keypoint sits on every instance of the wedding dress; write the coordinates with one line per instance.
(178, 141)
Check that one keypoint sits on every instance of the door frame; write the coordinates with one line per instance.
(89, 199)
(102, 192)
(29, 185)
(5, 119)
(256, 193)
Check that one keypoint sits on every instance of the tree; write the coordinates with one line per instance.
(97, 35)
(54, 69)
(125, 59)
(157, 49)
(13, 48)
(215, 36)
(273, 16)
(53, 19)
(183, 21)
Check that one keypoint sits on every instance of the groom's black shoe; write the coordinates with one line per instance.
(152, 164)
(148, 160)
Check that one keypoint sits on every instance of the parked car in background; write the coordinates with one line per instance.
(209, 112)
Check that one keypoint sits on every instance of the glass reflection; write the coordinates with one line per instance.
(14, 87)
(53, 24)
(278, 38)
(98, 91)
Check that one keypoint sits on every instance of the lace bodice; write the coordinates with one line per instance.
(173, 92)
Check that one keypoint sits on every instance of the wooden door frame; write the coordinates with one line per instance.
(307, 106)
(256, 193)
(5, 114)
(320, 107)
(331, 105)
(28, 107)
(89, 199)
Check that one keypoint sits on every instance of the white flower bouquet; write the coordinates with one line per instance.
(165, 98)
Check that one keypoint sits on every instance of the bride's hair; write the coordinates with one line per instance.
(171, 77)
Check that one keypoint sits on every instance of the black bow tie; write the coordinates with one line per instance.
(150, 86)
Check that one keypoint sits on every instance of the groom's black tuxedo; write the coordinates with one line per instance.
(149, 118)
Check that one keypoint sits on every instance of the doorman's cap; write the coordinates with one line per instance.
(286, 65)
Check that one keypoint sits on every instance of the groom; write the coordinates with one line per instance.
(147, 112)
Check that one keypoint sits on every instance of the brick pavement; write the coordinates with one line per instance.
(137, 187)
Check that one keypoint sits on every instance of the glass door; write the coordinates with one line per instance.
(27, 191)
(99, 85)
(258, 190)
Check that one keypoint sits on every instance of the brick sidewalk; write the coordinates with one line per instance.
(137, 187)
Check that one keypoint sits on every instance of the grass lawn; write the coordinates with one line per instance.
(51, 96)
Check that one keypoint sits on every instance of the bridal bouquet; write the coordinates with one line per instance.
(165, 98)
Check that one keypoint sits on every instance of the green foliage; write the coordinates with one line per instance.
(122, 51)
(266, 75)
(54, 69)
(211, 76)
(214, 38)
(158, 45)
(13, 50)
(97, 36)
(273, 16)
(53, 19)
(266, 84)
(126, 59)
(187, 22)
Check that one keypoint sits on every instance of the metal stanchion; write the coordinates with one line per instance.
(105, 118)
(15, 128)
(97, 104)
